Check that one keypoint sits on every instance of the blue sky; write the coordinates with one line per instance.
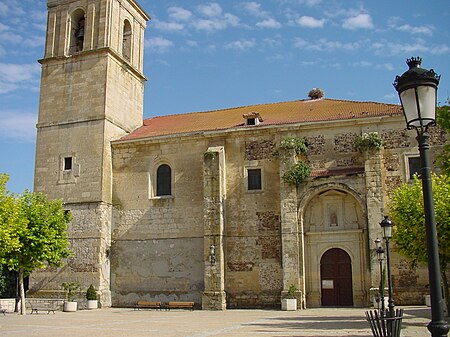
(202, 55)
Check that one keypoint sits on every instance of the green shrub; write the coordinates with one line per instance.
(298, 144)
(91, 293)
(368, 141)
(297, 173)
(291, 291)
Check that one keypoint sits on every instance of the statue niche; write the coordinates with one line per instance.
(332, 210)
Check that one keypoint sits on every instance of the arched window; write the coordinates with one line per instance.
(76, 31)
(164, 180)
(126, 42)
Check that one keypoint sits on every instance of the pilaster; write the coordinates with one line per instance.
(214, 297)
(374, 174)
(291, 238)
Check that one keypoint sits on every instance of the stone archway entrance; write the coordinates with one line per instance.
(335, 227)
(336, 278)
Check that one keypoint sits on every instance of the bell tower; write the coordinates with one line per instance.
(92, 87)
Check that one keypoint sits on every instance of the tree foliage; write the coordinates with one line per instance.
(33, 232)
(443, 120)
(407, 212)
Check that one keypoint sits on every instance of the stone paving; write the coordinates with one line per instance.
(118, 322)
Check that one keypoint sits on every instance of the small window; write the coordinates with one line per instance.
(254, 179)
(68, 161)
(126, 40)
(414, 166)
(164, 180)
(76, 31)
(252, 118)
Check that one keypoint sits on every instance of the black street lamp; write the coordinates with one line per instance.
(387, 225)
(417, 89)
(380, 258)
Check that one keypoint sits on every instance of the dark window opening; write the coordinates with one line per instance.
(164, 180)
(126, 43)
(68, 163)
(251, 121)
(414, 166)
(254, 179)
(79, 35)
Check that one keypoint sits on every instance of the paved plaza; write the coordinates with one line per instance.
(118, 322)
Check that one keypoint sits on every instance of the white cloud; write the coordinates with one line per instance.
(440, 49)
(269, 23)
(16, 73)
(360, 21)
(3, 27)
(169, 26)
(18, 125)
(419, 46)
(381, 66)
(3, 8)
(192, 43)
(10, 37)
(241, 44)
(158, 44)
(7, 87)
(254, 9)
(312, 2)
(310, 22)
(425, 30)
(179, 13)
(325, 45)
(392, 48)
(210, 10)
(275, 41)
(216, 23)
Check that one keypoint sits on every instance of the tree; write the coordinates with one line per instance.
(33, 233)
(443, 120)
(407, 212)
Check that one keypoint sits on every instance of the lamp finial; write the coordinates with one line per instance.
(414, 62)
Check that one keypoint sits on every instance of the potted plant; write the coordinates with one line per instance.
(70, 305)
(289, 302)
(91, 296)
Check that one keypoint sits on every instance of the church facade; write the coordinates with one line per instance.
(195, 207)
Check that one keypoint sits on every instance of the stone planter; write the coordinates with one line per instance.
(70, 306)
(92, 304)
(289, 304)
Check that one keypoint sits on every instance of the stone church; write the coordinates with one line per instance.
(194, 207)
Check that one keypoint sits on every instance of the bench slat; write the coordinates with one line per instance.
(180, 305)
(147, 305)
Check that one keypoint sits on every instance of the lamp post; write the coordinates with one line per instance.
(380, 258)
(417, 89)
(386, 226)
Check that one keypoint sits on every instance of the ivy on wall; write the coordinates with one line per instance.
(368, 141)
(302, 169)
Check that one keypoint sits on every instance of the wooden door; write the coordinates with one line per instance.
(336, 278)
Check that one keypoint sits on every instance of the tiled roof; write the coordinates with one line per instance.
(302, 111)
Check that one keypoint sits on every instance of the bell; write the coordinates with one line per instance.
(80, 33)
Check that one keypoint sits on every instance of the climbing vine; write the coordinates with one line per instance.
(298, 144)
(297, 173)
(368, 141)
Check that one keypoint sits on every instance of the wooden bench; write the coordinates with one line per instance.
(7, 305)
(180, 305)
(147, 305)
(44, 304)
